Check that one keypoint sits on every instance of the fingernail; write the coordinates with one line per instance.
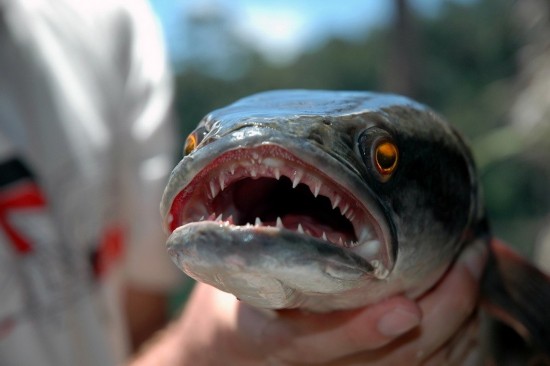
(397, 322)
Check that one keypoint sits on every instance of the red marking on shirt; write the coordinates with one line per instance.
(110, 250)
(19, 197)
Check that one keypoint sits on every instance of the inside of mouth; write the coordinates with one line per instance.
(269, 199)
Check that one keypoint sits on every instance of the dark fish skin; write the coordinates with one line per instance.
(517, 295)
(424, 214)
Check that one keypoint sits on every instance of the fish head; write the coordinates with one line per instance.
(320, 200)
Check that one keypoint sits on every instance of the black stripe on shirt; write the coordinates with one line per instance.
(13, 170)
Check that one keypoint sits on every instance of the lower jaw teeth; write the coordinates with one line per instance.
(368, 249)
(380, 271)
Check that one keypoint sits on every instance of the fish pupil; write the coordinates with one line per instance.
(386, 157)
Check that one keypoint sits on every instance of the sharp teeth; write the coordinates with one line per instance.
(340, 242)
(297, 178)
(346, 207)
(300, 229)
(379, 270)
(219, 218)
(232, 169)
(279, 223)
(317, 188)
(258, 222)
(277, 173)
(222, 183)
(336, 201)
(350, 215)
(230, 219)
(202, 218)
(325, 236)
(253, 172)
(213, 189)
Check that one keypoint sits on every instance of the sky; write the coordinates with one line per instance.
(281, 30)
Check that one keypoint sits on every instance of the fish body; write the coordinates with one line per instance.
(326, 200)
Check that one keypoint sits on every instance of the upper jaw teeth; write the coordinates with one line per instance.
(336, 201)
(297, 178)
(256, 166)
(274, 167)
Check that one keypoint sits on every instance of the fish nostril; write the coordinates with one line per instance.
(317, 138)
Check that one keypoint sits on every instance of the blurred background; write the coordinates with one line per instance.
(484, 64)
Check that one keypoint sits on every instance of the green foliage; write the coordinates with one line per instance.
(468, 56)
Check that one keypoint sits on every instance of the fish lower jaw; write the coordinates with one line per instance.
(367, 247)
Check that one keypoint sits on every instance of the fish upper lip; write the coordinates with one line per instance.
(194, 202)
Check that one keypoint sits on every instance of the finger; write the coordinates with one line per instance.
(210, 319)
(449, 305)
(465, 344)
(445, 309)
(317, 338)
(455, 300)
(462, 349)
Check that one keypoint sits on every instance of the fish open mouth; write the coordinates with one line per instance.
(268, 187)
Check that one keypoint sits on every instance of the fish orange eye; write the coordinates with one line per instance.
(190, 144)
(386, 156)
(379, 152)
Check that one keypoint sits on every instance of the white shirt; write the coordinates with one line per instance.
(85, 149)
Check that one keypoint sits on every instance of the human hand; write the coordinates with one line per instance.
(438, 328)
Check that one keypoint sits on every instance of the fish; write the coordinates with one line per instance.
(331, 200)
